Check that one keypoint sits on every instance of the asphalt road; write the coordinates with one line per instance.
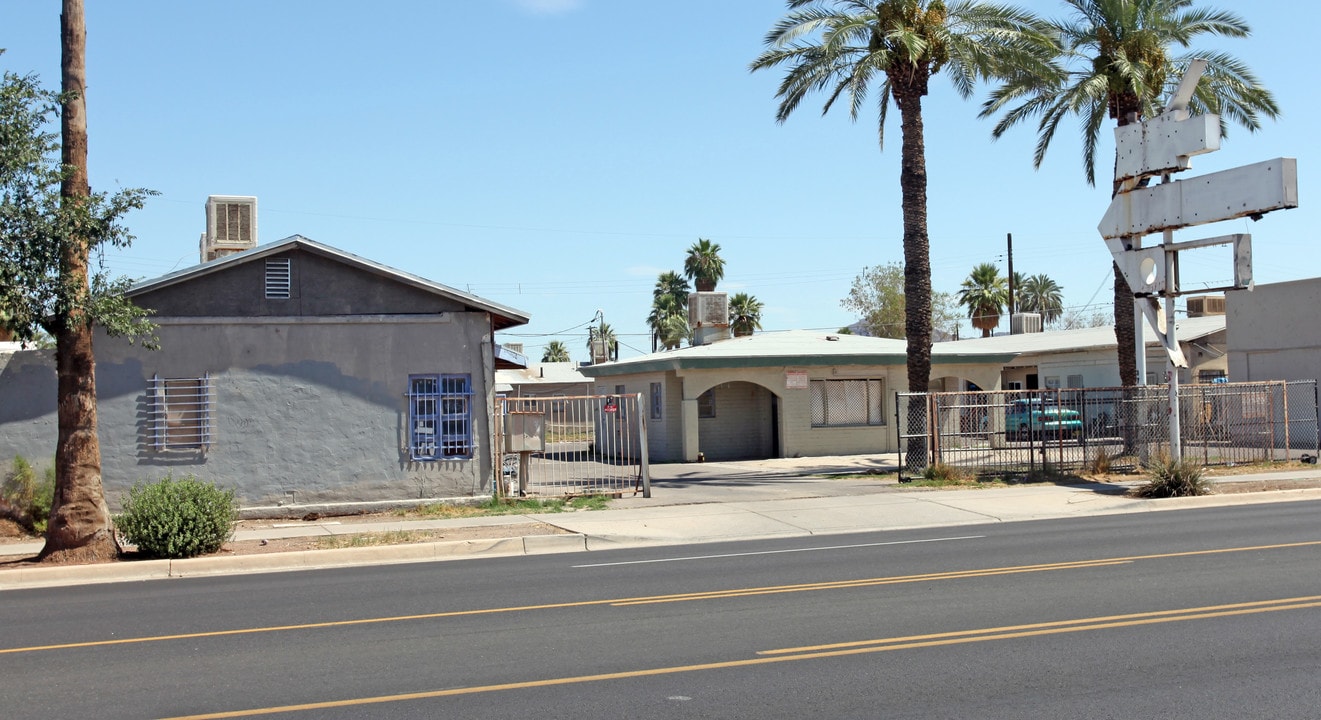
(1185, 614)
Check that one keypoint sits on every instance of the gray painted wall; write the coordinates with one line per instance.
(1273, 333)
(320, 286)
(315, 407)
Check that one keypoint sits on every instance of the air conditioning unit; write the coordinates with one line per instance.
(708, 310)
(1024, 323)
(231, 226)
(1206, 305)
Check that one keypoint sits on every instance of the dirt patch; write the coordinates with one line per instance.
(316, 542)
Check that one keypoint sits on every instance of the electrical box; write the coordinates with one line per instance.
(525, 432)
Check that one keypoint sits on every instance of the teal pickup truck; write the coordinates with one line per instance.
(1030, 419)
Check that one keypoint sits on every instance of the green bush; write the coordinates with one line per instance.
(29, 497)
(178, 518)
(1174, 479)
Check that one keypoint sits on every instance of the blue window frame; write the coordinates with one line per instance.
(439, 417)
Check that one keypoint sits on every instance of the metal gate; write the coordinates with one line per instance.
(1069, 429)
(581, 445)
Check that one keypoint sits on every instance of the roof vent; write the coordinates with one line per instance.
(1206, 305)
(832, 338)
(1023, 323)
(231, 226)
(708, 317)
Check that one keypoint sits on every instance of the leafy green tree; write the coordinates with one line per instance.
(1118, 59)
(985, 294)
(744, 314)
(847, 48)
(555, 351)
(703, 265)
(50, 223)
(1040, 294)
(877, 295)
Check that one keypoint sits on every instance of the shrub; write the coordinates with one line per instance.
(29, 498)
(1174, 479)
(1099, 464)
(178, 518)
(946, 474)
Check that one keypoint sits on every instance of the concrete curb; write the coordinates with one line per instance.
(673, 525)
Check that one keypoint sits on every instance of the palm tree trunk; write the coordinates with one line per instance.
(917, 255)
(79, 526)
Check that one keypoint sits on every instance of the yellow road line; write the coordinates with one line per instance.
(678, 597)
(817, 652)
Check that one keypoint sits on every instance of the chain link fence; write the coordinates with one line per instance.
(583, 445)
(1016, 431)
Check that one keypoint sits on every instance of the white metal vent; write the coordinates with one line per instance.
(1022, 323)
(279, 278)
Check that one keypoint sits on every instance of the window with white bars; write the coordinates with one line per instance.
(439, 417)
(279, 278)
(843, 403)
(181, 415)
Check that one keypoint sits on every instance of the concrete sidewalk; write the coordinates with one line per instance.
(691, 503)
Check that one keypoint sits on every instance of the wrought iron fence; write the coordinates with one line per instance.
(1023, 430)
(578, 445)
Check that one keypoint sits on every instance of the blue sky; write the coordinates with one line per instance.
(556, 155)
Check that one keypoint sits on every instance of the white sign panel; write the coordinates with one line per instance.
(795, 379)
(1241, 192)
(1163, 145)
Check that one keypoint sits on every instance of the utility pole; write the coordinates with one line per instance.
(1010, 240)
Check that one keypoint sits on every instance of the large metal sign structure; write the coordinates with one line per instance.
(1159, 147)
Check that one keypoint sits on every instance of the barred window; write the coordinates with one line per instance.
(706, 404)
(181, 413)
(842, 403)
(439, 417)
(656, 398)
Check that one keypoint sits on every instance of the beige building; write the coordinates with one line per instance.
(811, 393)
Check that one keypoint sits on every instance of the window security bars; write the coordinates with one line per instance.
(439, 417)
(843, 403)
(1070, 429)
(180, 415)
(279, 278)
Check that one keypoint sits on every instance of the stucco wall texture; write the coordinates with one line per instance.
(305, 409)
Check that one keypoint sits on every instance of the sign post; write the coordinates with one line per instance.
(1159, 147)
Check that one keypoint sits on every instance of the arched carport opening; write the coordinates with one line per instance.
(738, 421)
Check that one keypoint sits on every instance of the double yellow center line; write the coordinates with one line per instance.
(671, 598)
(814, 652)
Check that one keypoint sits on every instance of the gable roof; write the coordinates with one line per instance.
(502, 316)
(790, 348)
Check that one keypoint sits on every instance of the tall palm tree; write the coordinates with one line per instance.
(673, 332)
(665, 319)
(744, 314)
(704, 266)
(556, 351)
(985, 293)
(1040, 294)
(674, 285)
(845, 47)
(1118, 60)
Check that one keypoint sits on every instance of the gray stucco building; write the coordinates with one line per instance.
(292, 372)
